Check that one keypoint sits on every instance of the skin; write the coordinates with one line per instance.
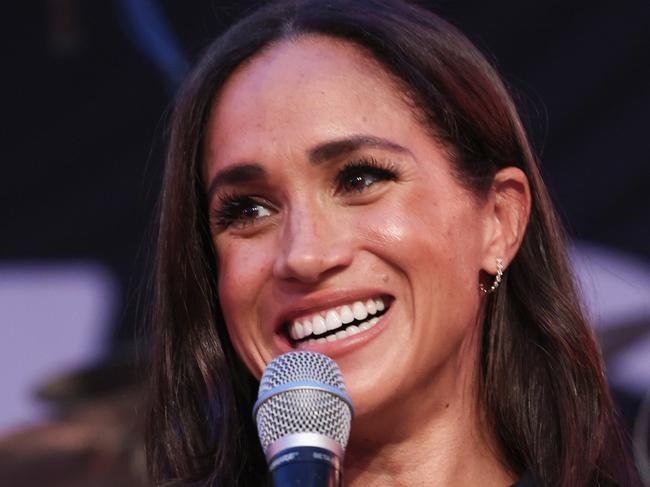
(421, 239)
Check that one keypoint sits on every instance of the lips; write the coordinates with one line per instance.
(338, 322)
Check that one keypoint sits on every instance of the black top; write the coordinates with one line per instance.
(526, 480)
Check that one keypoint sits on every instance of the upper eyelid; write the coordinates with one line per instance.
(256, 190)
(236, 191)
(370, 160)
(236, 197)
(369, 164)
(222, 220)
(228, 196)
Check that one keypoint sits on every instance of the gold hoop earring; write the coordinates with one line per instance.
(497, 279)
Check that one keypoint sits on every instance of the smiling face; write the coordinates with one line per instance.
(339, 226)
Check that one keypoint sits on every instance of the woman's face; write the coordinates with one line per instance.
(329, 202)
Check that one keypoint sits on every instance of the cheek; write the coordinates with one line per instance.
(242, 277)
(243, 269)
(438, 246)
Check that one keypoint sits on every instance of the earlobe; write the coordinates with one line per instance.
(509, 208)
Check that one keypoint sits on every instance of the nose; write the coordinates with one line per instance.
(312, 246)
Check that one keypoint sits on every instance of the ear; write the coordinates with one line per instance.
(507, 212)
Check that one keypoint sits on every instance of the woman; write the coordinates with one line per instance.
(334, 160)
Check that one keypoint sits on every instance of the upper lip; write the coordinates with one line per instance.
(319, 302)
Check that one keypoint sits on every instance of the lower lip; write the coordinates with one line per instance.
(345, 345)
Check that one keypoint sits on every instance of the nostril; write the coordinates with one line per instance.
(305, 266)
(313, 244)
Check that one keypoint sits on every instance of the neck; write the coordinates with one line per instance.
(431, 438)
(438, 455)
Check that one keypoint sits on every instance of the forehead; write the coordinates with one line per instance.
(300, 92)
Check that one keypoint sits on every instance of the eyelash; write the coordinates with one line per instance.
(232, 207)
(379, 170)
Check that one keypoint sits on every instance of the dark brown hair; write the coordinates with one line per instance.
(542, 381)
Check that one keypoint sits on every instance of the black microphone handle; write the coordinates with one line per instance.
(305, 466)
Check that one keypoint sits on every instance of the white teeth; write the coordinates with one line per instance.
(371, 306)
(346, 314)
(292, 331)
(332, 320)
(349, 331)
(297, 331)
(306, 326)
(318, 325)
(359, 310)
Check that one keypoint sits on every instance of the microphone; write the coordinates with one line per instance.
(303, 417)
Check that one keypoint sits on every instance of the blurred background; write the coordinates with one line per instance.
(86, 89)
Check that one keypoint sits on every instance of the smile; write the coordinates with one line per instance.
(337, 323)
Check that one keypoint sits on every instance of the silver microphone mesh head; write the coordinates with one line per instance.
(302, 392)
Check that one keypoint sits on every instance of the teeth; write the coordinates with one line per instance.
(346, 315)
(359, 310)
(307, 327)
(318, 325)
(298, 330)
(334, 318)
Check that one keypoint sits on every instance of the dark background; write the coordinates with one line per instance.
(86, 86)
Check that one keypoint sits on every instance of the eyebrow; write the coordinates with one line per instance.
(247, 172)
(340, 147)
(242, 173)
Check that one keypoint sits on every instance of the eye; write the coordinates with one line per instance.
(240, 211)
(358, 176)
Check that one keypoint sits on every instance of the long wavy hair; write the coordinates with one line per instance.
(541, 376)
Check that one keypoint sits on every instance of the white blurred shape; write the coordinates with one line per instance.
(631, 370)
(616, 291)
(53, 318)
